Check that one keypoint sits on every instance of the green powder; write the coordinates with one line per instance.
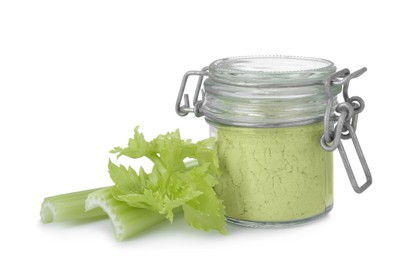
(274, 174)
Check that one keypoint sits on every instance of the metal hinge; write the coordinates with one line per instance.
(346, 124)
(185, 109)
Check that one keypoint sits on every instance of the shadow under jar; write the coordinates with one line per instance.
(267, 114)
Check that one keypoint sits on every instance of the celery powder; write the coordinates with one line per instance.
(274, 174)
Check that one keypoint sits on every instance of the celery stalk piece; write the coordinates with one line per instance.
(66, 207)
(126, 220)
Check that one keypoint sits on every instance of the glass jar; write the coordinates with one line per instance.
(268, 114)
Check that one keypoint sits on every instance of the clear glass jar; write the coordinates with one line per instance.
(267, 114)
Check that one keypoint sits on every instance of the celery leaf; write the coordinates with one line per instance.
(171, 184)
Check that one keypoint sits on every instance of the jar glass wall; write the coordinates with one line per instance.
(267, 116)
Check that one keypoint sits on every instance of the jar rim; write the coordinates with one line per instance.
(272, 64)
(266, 70)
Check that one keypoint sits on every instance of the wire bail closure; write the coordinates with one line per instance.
(346, 124)
(186, 109)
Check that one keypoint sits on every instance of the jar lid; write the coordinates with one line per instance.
(267, 91)
(270, 70)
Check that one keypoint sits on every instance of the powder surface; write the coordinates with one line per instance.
(274, 174)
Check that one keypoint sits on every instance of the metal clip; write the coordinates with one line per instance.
(186, 109)
(363, 162)
(346, 112)
(346, 121)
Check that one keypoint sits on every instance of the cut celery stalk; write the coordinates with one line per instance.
(126, 220)
(70, 206)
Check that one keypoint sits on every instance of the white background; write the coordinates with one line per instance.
(77, 76)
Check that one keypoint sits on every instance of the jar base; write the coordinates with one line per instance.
(278, 224)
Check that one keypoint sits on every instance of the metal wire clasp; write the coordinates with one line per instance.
(346, 124)
(186, 109)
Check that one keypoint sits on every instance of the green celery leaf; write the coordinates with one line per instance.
(171, 184)
(205, 219)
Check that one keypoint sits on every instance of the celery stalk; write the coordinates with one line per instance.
(66, 207)
(126, 220)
